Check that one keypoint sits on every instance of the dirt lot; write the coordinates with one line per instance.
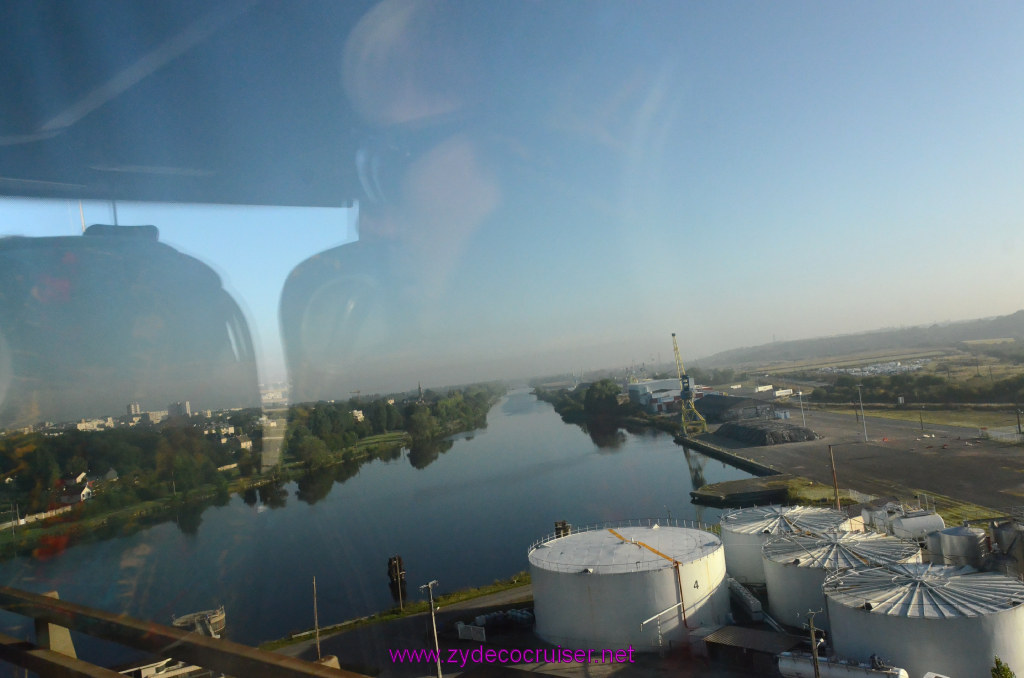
(900, 460)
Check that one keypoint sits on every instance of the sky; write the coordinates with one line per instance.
(573, 188)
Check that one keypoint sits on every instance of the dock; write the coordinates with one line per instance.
(773, 489)
(729, 457)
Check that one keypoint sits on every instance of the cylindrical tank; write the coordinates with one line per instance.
(795, 567)
(963, 546)
(882, 517)
(933, 547)
(950, 620)
(745, 531)
(916, 525)
(867, 514)
(1001, 562)
(1005, 533)
(800, 665)
(592, 589)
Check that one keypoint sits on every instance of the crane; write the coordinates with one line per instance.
(692, 421)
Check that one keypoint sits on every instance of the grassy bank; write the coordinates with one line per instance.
(410, 609)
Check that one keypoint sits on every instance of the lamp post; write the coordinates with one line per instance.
(433, 622)
(863, 421)
(800, 395)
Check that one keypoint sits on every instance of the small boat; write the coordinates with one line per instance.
(206, 622)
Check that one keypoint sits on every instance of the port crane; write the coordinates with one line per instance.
(692, 421)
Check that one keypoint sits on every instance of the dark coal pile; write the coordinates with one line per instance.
(770, 432)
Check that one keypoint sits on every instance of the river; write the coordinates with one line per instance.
(465, 519)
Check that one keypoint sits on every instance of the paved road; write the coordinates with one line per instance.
(900, 460)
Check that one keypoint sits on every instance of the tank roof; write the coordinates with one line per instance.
(603, 551)
(839, 550)
(929, 591)
(782, 520)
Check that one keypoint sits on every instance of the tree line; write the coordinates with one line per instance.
(921, 388)
(317, 431)
(150, 462)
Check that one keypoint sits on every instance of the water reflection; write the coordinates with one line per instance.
(607, 438)
(273, 495)
(695, 462)
(424, 454)
(189, 517)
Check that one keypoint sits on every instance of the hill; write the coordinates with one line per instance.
(924, 337)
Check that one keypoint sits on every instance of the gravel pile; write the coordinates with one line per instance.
(766, 432)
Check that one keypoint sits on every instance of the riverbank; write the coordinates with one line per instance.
(448, 601)
(48, 538)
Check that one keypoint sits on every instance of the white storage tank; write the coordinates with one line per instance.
(916, 524)
(592, 589)
(950, 620)
(963, 546)
(795, 567)
(745, 531)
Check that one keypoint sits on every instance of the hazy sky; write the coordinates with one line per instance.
(732, 172)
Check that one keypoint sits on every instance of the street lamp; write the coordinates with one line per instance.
(800, 394)
(433, 622)
(863, 421)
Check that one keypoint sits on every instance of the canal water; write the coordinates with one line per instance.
(463, 518)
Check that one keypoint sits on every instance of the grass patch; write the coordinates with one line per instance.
(955, 512)
(807, 492)
(411, 609)
(968, 418)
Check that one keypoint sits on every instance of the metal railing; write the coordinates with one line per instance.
(632, 522)
(619, 568)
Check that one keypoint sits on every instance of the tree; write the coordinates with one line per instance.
(1001, 670)
(422, 426)
(602, 399)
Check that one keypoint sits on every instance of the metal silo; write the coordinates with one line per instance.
(963, 546)
(950, 620)
(594, 588)
(796, 566)
(745, 531)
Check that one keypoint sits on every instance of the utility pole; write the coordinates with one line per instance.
(433, 622)
(863, 421)
(835, 481)
(921, 415)
(1018, 423)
